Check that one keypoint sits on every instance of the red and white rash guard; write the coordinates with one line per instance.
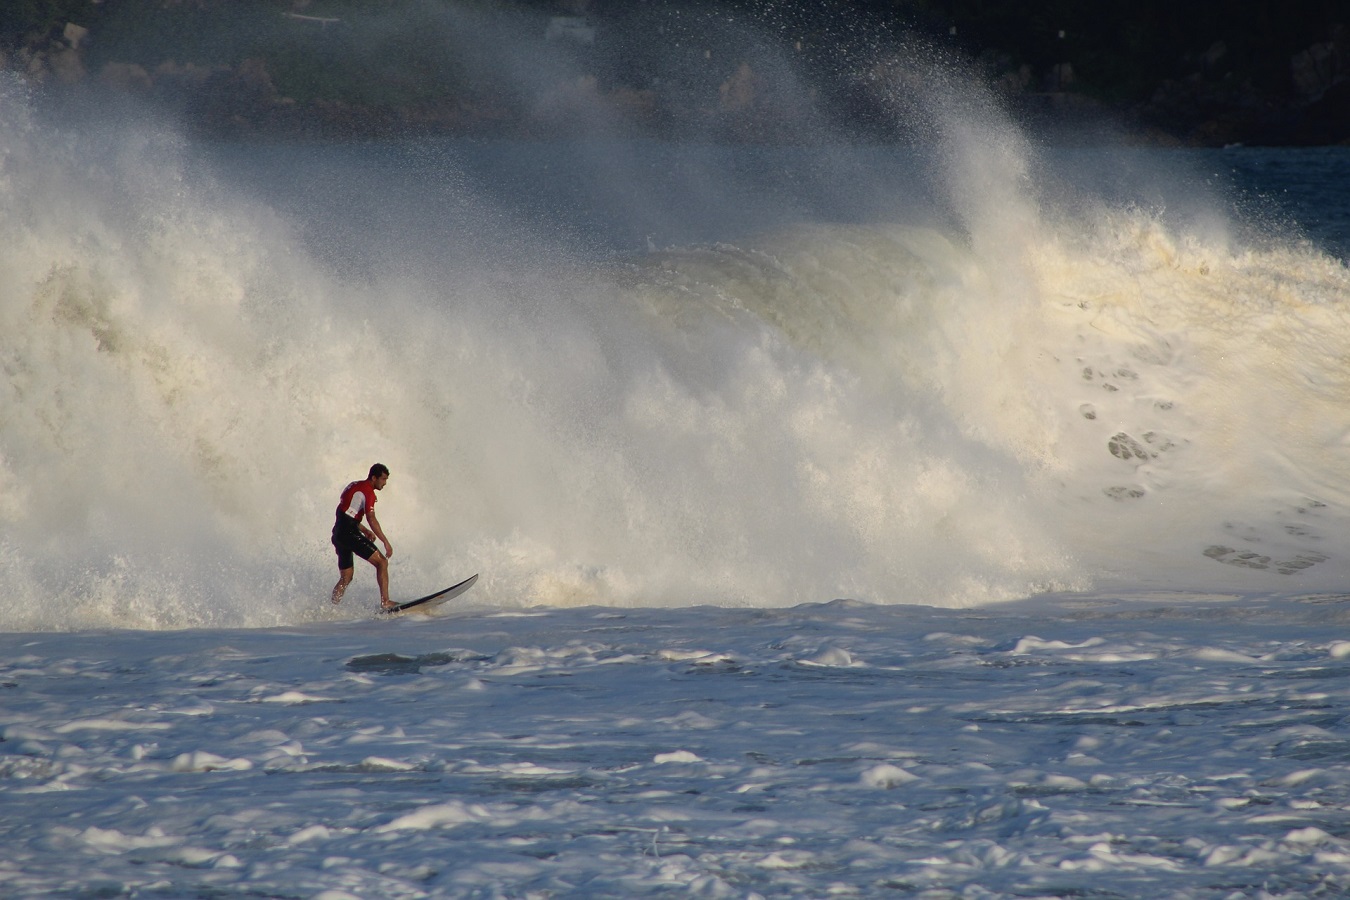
(358, 498)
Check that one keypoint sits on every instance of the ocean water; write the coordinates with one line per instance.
(962, 519)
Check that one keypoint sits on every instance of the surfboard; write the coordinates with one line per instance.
(421, 604)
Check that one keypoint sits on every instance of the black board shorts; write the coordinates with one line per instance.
(348, 542)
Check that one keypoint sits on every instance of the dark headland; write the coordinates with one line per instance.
(1199, 73)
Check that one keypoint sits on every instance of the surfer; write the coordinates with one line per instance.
(351, 538)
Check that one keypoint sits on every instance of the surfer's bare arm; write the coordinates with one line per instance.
(379, 533)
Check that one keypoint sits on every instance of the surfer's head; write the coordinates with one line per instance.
(379, 474)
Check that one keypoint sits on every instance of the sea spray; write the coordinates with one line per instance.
(952, 409)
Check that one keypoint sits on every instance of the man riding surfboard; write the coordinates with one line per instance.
(351, 538)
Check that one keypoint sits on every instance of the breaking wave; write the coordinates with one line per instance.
(1021, 388)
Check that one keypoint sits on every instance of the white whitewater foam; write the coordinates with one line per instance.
(1179, 746)
(1028, 399)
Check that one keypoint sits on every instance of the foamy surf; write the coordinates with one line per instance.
(1179, 746)
(997, 396)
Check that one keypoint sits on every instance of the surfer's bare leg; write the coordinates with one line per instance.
(377, 559)
(344, 579)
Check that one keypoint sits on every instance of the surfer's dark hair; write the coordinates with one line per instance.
(378, 469)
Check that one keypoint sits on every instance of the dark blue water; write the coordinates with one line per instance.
(1309, 187)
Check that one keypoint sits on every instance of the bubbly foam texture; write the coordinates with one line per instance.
(1026, 401)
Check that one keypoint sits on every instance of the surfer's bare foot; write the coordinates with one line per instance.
(388, 604)
(337, 594)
